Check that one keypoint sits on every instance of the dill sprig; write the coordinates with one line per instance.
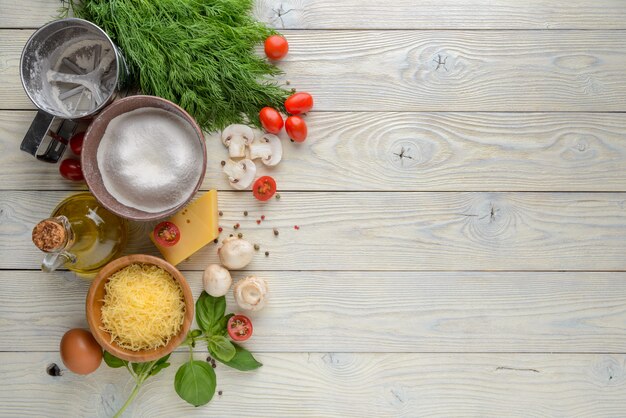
(196, 53)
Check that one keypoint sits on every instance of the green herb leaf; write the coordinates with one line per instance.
(243, 360)
(140, 368)
(221, 348)
(158, 367)
(209, 310)
(195, 333)
(113, 361)
(219, 328)
(195, 382)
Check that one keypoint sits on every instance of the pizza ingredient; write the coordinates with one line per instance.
(241, 173)
(299, 103)
(250, 293)
(296, 128)
(237, 137)
(268, 148)
(271, 120)
(71, 169)
(239, 328)
(216, 280)
(76, 143)
(235, 253)
(264, 188)
(276, 47)
(80, 352)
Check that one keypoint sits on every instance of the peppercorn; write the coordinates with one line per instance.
(258, 222)
(236, 226)
(223, 163)
(219, 392)
(277, 196)
(215, 241)
(257, 247)
(219, 229)
(221, 213)
(245, 213)
(53, 370)
(240, 235)
(275, 232)
(267, 253)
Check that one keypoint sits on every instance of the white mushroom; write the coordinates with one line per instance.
(250, 293)
(241, 173)
(268, 148)
(236, 138)
(216, 280)
(235, 253)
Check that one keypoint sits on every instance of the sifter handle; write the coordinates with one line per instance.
(39, 129)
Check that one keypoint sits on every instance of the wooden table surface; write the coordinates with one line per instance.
(462, 209)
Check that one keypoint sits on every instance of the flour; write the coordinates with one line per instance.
(150, 159)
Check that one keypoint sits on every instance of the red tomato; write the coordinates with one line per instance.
(276, 47)
(166, 234)
(296, 128)
(70, 169)
(299, 103)
(239, 328)
(271, 120)
(264, 188)
(76, 143)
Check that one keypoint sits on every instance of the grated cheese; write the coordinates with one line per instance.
(143, 307)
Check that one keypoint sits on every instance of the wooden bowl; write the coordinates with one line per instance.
(93, 136)
(94, 304)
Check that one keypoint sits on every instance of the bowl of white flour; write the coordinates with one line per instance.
(144, 158)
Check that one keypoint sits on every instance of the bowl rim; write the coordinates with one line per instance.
(94, 318)
(89, 163)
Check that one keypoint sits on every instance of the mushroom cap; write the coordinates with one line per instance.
(241, 173)
(250, 293)
(237, 131)
(235, 253)
(216, 280)
(268, 148)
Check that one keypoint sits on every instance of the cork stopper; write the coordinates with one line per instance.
(49, 235)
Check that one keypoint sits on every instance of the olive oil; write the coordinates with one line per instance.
(81, 235)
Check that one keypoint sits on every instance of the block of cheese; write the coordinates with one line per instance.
(187, 231)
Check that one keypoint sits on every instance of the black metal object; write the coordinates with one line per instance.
(40, 129)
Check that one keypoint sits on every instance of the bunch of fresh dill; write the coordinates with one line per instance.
(196, 53)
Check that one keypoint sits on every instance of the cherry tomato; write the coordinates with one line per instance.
(70, 169)
(239, 328)
(276, 47)
(264, 188)
(271, 120)
(299, 103)
(76, 143)
(166, 234)
(296, 128)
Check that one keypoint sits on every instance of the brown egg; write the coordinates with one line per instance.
(80, 352)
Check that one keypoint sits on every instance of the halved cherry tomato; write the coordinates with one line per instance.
(299, 103)
(239, 328)
(166, 234)
(276, 47)
(264, 188)
(70, 169)
(296, 128)
(76, 143)
(271, 120)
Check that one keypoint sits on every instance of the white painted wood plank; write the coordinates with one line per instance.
(431, 70)
(337, 385)
(442, 152)
(402, 14)
(447, 14)
(387, 231)
(370, 311)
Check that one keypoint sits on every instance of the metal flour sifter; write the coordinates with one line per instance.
(70, 70)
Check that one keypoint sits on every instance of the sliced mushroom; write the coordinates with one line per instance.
(240, 173)
(268, 148)
(235, 253)
(250, 293)
(237, 138)
(216, 280)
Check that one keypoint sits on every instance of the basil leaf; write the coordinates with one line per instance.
(220, 327)
(195, 382)
(140, 368)
(221, 348)
(209, 310)
(113, 361)
(162, 359)
(158, 367)
(243, 360)
(195, 333)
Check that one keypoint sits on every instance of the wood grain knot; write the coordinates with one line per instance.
(407, 153)
(580, 147)
(489, 220)
(609, 371)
